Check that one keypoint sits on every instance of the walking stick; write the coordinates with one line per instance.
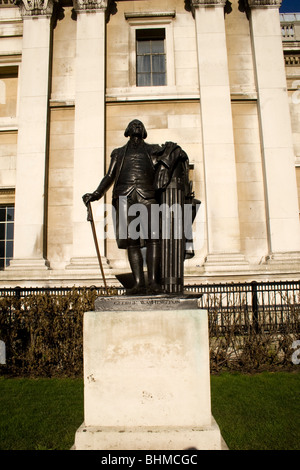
(90, 218)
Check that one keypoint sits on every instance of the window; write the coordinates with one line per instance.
(6, 235)
(8, 91)
(150, 57)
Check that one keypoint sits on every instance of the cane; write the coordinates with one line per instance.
(90, 218)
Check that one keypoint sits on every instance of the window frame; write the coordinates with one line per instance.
(154, 21)
(8, 123)
(6, 240)
(152, 54)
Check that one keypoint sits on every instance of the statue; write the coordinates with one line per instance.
(141, 174)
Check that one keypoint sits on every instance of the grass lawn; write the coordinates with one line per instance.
(258, 412)
(254, 412)
(39, 414)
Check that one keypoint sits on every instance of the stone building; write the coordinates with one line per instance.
(223, 83)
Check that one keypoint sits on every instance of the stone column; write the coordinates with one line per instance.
(217, 136)
(29, 238)
(89, 145)
(276, 134)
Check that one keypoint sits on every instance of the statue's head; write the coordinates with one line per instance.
(136, 128)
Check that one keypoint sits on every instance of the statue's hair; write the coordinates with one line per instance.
(127, 132)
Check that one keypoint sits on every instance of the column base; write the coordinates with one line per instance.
(291, 258)
(20, 264)
(147, 438)
(88, 264)
(225, 262)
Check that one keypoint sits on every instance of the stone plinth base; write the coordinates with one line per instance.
(232, 262)
(146, 376)
(91, 438)
(291, 259)
(30, 264)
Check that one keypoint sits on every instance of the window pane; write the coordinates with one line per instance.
(10, 213)
(158, 63)
(151, 57)
(143, 64)
(9, 249)
(159, 79)
(158, 46)
(144, 79)
(1, 263)
(143, 47)
(2, 231)
(9, 231)
(2, 214)
(2, 251)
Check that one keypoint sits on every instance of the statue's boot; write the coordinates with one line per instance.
(153, 258)
(136, 263)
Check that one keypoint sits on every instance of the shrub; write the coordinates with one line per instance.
(43, 335)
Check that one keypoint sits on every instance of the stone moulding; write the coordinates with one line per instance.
(244, 5)
(150, 14)
(204, 3)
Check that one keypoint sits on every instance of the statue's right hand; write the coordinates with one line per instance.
(89, 197)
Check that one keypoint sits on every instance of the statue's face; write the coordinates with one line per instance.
(136, 129)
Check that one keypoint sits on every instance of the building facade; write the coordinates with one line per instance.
(219, 78)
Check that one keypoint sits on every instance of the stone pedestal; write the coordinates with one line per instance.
(146, 376)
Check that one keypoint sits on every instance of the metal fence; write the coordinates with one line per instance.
(265, 305)
(260, 305)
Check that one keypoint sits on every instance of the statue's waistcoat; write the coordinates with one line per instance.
(135, 172)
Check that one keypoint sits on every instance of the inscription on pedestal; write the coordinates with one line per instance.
(141, 303)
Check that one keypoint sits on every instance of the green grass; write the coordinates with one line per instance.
(254, 412)
(258, 412)
(39, 414)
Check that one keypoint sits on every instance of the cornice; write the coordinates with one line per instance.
(207, 3)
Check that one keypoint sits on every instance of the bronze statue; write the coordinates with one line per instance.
(141, 173)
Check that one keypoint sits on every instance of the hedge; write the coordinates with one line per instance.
(42, 334)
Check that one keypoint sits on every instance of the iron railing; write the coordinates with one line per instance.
(267, 305)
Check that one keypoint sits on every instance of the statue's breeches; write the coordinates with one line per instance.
(134, 224)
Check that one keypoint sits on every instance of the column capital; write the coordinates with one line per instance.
(109, 7)
(35, 7)
(89, 5)
(192, 5)
(207, 3)
(264, 3)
